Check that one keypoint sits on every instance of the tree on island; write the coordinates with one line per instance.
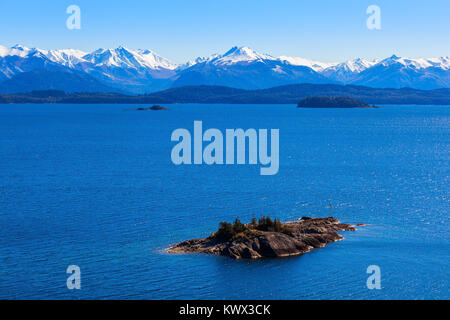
(228, 231)
(331, 102)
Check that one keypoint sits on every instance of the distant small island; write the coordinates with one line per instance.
(155, 107)
(332, 102)
(266, 238)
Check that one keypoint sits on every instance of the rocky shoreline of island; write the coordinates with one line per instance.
(332, 102)
(266, 238)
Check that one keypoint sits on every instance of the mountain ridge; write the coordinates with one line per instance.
(143, 71)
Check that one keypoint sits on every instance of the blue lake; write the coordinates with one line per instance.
(94, 186)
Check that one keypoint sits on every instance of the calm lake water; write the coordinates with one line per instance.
(94, 186)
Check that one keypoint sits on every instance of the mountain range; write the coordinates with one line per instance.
(142, 71)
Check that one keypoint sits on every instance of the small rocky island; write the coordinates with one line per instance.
(332, 102)
(155, 107)
(266, 238)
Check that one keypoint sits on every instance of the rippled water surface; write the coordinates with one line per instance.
(94, 186)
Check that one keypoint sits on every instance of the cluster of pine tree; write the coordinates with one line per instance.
(267, 224)
(227, 230)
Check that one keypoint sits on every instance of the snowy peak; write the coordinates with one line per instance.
(358, 65)
(420, 63)
(65, 57)
(353, 66)
(16, 50)
(297, 61)
(108, 57)
(4, 51)
(144, 71)
(240, 55)
(442, 62)
(245, 53)
(198, 60)
(152, 60)
(123, 57)
(120, 57)
(394, 59)
(236, 55)
(126, 58)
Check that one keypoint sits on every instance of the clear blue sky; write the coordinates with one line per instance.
(326, 30)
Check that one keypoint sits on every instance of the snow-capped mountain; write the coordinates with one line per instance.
(16, 50)
(315, 65)
(19, 59)
(346, 71)
(442, 62)
(242, 67)
(398, 72)
(144, 71)
(138, 71)
(238, 55)
(125, 58)
(232, 56)
(65, 57)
